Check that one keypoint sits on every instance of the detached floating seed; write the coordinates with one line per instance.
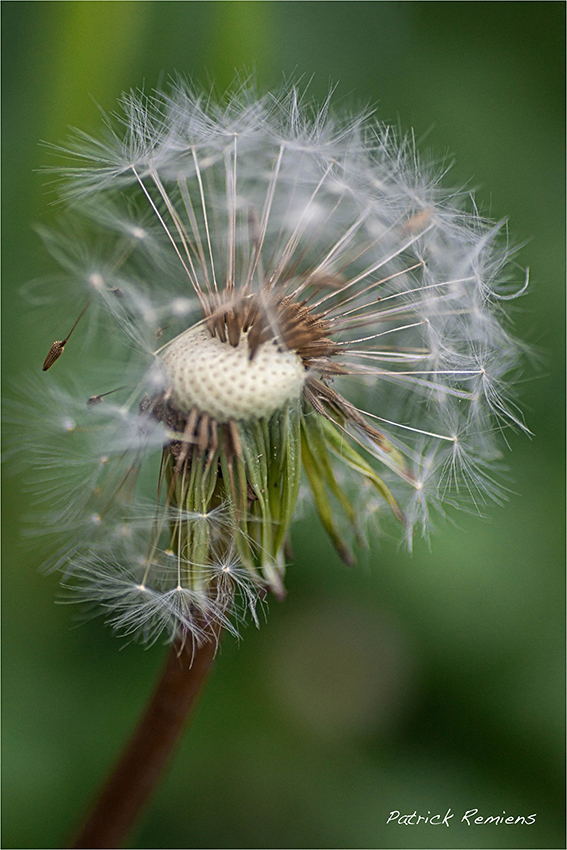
(55, 353)
(94, 399)
(58, 346)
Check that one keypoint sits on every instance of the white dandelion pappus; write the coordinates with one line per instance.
(293, 297)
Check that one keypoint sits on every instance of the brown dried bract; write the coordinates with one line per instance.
(274, 317)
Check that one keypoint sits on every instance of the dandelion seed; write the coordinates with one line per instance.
(58, 346)
(326, 314)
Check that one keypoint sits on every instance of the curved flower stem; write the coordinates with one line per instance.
(145, 757)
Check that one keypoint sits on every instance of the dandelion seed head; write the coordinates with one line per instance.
(295, 310)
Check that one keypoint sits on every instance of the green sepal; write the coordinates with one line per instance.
(266, 480)
(344, 450)
(321, 476)
(284, 469)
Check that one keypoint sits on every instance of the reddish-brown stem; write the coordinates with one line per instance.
(143, 760)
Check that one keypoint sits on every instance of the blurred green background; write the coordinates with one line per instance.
(421, 682)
